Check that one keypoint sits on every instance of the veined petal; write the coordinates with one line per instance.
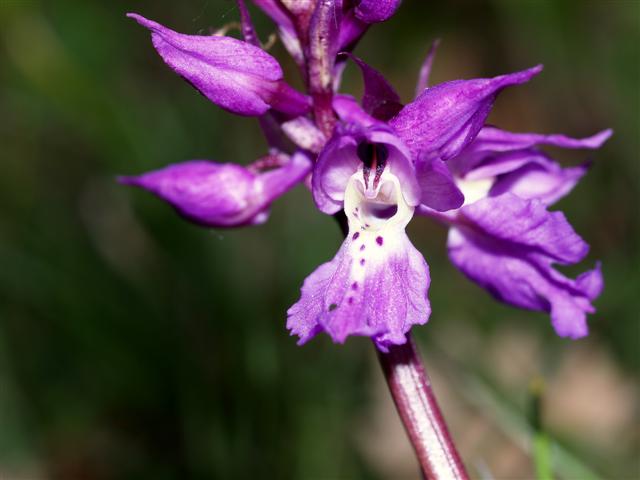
(221, 194)
(233, 74)
(517, 277)
(447, 117)
(526, 224)
(483, 152)
(377, 283)
(502, 163)
(542, 179)
(496, 140)
(528, 173)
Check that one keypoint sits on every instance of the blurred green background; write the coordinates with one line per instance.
(134, 345)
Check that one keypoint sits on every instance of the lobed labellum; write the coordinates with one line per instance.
(377, 284)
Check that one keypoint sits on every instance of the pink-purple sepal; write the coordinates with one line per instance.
(445, 118)
(233, 74)
(221, 194)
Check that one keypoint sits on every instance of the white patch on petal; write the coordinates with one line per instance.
(377, 283)
(454, 238)
(377, 220)
(474, 190)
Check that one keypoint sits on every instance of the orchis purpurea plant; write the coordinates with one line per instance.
(374, 164)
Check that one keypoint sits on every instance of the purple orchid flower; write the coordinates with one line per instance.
(233, 74)
(505, 239)
(224, 194)
(380, 162)
(380, 165)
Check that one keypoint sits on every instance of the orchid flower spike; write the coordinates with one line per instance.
(378, 162)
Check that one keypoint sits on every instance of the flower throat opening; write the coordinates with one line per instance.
(373, 201)
(373, 157)
(378, 206)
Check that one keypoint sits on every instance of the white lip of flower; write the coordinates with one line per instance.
(377, 220)
(376, 210)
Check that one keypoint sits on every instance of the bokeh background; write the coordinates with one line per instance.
(134, 345)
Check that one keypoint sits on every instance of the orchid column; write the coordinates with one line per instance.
(373, 165)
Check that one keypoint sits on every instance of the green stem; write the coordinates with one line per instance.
(540, 442)
(542, 456)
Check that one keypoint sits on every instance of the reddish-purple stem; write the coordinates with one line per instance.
(416, 403)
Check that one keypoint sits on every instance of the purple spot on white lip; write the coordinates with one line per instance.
(354, 286)
(379, 240)
(356, 235)
(362, 247)
(362, 261)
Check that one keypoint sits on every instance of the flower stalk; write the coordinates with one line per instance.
(416, 402)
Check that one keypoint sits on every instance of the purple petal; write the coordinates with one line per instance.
(496, 140)
(335, 165)
(356, 21)
(447, 117)
(526, 223)
(380, 100)
(439, 190)
(339, 161)
(349, 111)
(374, 11)
(425, 70)
(351, 30)
(526, 173)
(221, 194)
(591, 282)
(382, 297)
(491, 141)
(502, 163)
(520, 278)
(233, 74)
(545, 181)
